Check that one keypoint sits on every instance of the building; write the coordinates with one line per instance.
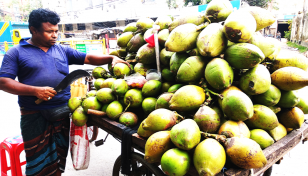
(286, 11)
(82, 16)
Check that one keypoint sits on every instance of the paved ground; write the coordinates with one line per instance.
(103, 157)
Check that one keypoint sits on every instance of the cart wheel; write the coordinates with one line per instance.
(268, 172)
(139, 167)
(92, 132)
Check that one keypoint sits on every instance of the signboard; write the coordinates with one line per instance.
(288, 17)
(10, 46)
(235, 3)
(90, 48)
(81, 48)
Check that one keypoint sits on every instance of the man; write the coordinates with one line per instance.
(40, 64)
(279, 36)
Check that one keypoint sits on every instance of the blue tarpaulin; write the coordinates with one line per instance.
(236, 4)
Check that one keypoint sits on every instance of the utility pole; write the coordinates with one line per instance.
(303, 36)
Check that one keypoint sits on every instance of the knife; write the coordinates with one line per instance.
(70, 78)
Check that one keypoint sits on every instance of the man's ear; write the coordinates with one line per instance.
(33, 30)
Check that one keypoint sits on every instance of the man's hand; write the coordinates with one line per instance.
(103, 59)
(45, 93)
(116, 60)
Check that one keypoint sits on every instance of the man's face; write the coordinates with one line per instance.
(48, 34)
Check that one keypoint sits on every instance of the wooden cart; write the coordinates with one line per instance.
(273, 153)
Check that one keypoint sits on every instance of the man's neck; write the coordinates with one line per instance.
(32, 41)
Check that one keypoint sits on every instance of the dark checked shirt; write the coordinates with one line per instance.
(32, 66)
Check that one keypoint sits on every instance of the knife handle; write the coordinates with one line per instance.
(38, 101)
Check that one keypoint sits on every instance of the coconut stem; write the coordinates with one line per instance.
(202, 26)
(220, 138)
(127, 107)
(214, 93)
(178, 115)
(207, 18)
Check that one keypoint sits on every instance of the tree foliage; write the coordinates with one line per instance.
(262, 3)
(172, 4)
(24, 7)
(196, 2)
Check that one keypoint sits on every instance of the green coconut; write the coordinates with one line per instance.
(114, 110)
(175, 162)
(219, 74)
(261, 137)
(237, 105)
(263, 118)
(186, 134)
(124, 39)
(218, 10)
(98, 83)
(187, 98)
(191, 70)
(176, 61)
(163, 100)
(142, 68)
(108, 83)
(91, 103)
(74, 103)
(240, 26)
(183, 38)
(79, 117)
(159, 119)
(175, 87)
(148, 105)
(163, 22)
(165, 56)
(135, 43)
(128, 119)
(146, 54)
(243, 55)
(269, 98)
(119, 87)
(120, 70)
(256, 80)
(194, 18)
(205, 157)
(207, 119)
(133, 97)
(151, 88)
(131, 27)
(163, 36)
(105, 95)
(211, 41)
(144, 23)
(288, 99)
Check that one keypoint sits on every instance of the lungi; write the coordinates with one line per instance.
(46, 143)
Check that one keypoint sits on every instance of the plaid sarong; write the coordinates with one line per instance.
(46, 144)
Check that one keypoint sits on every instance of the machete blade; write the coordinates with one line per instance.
(70, 78)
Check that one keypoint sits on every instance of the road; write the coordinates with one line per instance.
(103, 157)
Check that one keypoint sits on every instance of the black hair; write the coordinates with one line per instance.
(39, 16)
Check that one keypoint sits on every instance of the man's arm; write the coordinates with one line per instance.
(14, 87)
(103, 59)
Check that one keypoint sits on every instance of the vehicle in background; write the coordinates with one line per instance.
(11, 33)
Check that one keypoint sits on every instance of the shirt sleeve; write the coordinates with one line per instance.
(74, 56)
(9, 67)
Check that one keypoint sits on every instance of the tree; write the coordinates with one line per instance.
(196, 2)
(262, 3)
(26, 7)
(172, 4)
